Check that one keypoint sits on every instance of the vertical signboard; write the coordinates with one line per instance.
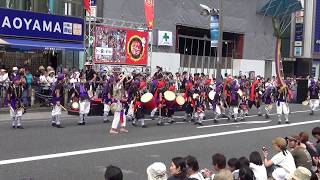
(214, 30)
(317, 29)
(298, 33)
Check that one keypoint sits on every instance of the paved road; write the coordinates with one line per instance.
(81, 152)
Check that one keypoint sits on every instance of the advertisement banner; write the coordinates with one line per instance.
(41, 26)
(298, 34)
(214, 30)
(149, 12)
(120, 46)
(317, 28)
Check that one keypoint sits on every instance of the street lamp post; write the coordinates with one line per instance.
(211, 11)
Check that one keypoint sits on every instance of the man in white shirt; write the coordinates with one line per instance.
(193, 168)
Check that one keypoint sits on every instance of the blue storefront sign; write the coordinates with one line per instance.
(317, 28)
(41, 26)
(214, 30)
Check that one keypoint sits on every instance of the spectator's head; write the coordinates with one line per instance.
(301, 173)
(157, 171)
(232, 164)
(242, 162)
(313, 176)
(279, 144)
(192, 165)
(113, 173)
(178, 167)
(246, 173)
(304, 137)
(293, 141)
(316, 133)
(255, 158)
(218, 161)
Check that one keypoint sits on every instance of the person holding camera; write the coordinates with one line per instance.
(283, 159)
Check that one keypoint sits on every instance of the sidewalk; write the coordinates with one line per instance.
(35, 115)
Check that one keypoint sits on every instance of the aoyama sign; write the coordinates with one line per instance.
(39, 25)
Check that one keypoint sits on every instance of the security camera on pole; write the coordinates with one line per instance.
(207, 11)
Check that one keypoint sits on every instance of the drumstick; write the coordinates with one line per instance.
(63, 108)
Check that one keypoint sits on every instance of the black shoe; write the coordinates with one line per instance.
(200, 124)
(144, 126)
(105, 121)
(267, 116)
(13, 127)
(196, 123)
(59, 126)
(82, 124)
(184, 120)
(171, 122)
(235, 120)
(259, 114)
(311, 113)
(243, 119)
(215, 121)
(246, 114)
(20, 127)
(53, 124)
(279, 122)
(287, 122)
(134, 124)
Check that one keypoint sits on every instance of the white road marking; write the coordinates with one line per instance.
(236, 123)
(149, 143)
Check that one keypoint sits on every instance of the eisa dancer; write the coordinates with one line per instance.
(199, 108)
(57, 95)
(313, 96)
(14, 95)
(255, 96)
(234, 99)
(268, 100)
(119, 118)
(282, 103)
(107, 100)
(81, 91)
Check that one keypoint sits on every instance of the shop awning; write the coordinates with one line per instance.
(31, 44)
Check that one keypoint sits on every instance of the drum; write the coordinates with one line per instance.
(169, 96)
(305, 103)
(75, 105)
(195, 95)
(240, 92)
(180, 100)
(114, 107)
(148, 101)
(212, 93)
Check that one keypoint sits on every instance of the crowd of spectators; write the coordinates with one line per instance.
(295, 158)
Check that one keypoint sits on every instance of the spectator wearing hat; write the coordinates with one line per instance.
(113, 173)
(14, 73)
(300, 154)
(193, 168)
(283, 158)
(157, 171)
(301, 173)
(51, 77)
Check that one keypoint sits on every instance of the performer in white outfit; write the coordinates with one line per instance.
(282, 104)
(313, 96)
(57, 96)
(119, 118)
(84, 100)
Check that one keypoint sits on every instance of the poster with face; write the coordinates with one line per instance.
(120, 46)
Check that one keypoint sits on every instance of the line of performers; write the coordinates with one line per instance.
(132, 98)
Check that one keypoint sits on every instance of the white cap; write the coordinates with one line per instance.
(15, 69)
